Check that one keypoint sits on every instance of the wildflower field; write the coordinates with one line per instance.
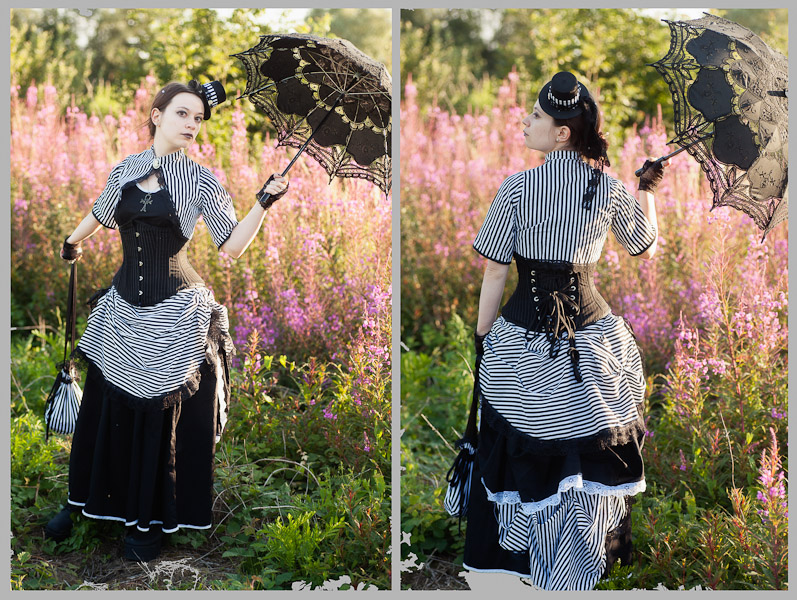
(709, 311)
(303, 469)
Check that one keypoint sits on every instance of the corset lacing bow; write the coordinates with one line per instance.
(555, 319)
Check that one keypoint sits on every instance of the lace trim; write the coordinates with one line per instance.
(613, 436)
(219, 347)
(568, 483)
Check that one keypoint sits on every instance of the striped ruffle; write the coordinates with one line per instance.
(574, 482)
(153, 354)
(565, 539)
(539, 396)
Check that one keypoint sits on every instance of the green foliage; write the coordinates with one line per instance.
(298, 497)
(436, 390)
(44, 48)
(83, 52)
(458, 57)
(442, 54)
(35, 466)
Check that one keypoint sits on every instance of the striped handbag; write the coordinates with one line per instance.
(63, 403)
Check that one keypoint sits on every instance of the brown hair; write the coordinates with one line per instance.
(585, 132)
(165, 96)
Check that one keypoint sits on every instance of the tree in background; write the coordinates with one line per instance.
(364, 27)
(100, 56)
(44, 48)
(458, 58)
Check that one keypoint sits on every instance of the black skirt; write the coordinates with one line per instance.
(568, 534)
(145, 467)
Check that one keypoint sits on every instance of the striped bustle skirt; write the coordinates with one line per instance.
(559, 460)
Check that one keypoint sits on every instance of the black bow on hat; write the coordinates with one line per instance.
(561, 97)
(212, 94)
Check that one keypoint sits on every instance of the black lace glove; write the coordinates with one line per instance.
(479, 342)
(266, 199)
(652, 172)
(71, 252)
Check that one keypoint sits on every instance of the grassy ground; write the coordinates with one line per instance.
(298, 497)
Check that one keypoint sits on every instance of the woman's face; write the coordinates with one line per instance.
(178, 123)
(541, 133)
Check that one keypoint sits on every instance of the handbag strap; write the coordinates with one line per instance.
(471, 430)
(71, 314)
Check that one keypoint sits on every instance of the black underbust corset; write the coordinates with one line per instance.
(555, 298)
(155, 265)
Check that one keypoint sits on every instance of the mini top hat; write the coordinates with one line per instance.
(212, 94)
(561, 96)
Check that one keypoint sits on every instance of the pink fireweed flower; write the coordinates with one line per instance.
(776, 414)
(328, 414)
(773, 481)
(367, 443)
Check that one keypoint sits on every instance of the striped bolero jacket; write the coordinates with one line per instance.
(539, 215)
(194, 190)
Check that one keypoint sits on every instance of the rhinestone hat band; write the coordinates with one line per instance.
(210, 94)
(564, 103)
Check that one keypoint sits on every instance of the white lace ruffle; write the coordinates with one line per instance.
(572, 482)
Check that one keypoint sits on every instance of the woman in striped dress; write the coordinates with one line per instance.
(561, 381)
(156, 345)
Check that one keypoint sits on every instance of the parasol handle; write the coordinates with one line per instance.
(661, 159)
(266, 196)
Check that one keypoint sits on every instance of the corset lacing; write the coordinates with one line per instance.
(556, 299)
(557, 308)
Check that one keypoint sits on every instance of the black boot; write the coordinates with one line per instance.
(60, 526)
(143, 546)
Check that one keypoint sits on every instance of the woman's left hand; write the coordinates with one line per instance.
(276, 186)
(71, 252)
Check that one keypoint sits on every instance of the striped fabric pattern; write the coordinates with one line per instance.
(458, 491)
(194, 190)
(565, 540)
(538, 214)
(149, 351)
(539, 395)
(64, 405)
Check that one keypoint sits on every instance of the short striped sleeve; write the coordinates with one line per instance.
(629, 224)
(498, 234)
(218, 211)
(105, 205)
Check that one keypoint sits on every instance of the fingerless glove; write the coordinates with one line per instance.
(71, 252)
(267, 200)
(652, 172)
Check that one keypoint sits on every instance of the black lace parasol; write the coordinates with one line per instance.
(731, 113)
(326, 97)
